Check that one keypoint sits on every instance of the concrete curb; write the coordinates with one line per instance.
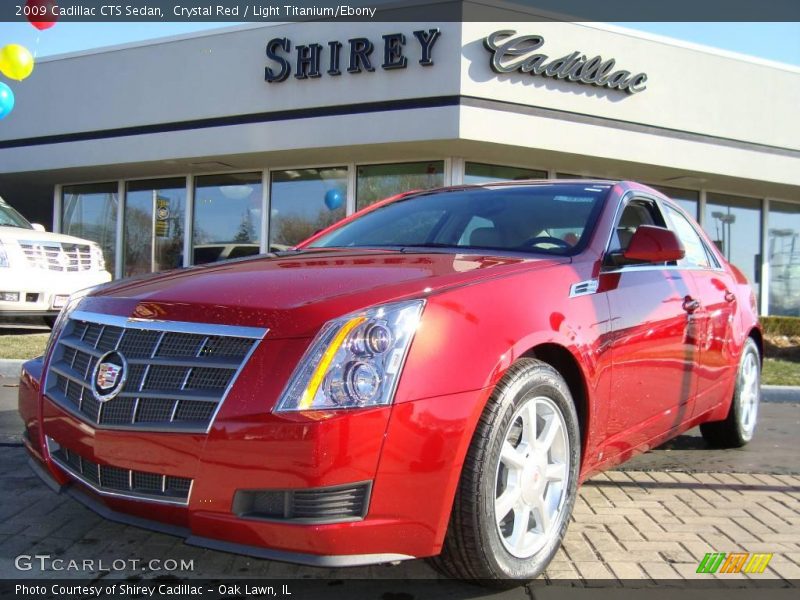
(780, 393)
(10, 368)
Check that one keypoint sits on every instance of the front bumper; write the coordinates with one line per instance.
(37, 289)
(315, 560)
(407, 452)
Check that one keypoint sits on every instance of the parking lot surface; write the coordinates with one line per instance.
(652, 521)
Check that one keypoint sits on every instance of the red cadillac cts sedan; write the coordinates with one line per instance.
(431, 377)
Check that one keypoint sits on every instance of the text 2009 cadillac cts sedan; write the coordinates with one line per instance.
(432, 377)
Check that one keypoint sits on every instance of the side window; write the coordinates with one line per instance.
(696, 254)
(637, 212)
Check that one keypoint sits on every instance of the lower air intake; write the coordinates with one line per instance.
(118, 481)
(311, 505)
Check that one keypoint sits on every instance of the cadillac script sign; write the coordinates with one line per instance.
(512, 52)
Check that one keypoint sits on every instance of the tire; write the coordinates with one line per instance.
(476, 546)
(738, 427)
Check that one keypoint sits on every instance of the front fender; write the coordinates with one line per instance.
(470, 336)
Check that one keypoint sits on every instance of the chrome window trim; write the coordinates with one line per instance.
(255, 333)
(636, 268)
(116, 494)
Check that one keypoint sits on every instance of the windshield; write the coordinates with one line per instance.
(11, 218)
(545, 218)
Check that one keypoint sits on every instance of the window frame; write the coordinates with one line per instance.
(626, 199)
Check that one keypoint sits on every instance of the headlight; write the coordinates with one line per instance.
(97, 257)
(354, 361)
(63, 316)
(3, 256)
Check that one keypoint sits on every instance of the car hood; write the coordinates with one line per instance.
(294, 295)
(31, 235)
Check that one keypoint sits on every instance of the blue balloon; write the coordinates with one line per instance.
(7, 101)
(333, 199)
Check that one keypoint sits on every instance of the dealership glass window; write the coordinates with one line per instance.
(688, 200)
(783, 254)
(227, 216)
(376, 182)
(90, 212)
(482, 173)
(304, 201)
(734, 224)
(154, 225)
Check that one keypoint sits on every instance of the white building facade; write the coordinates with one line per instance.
(228, 143)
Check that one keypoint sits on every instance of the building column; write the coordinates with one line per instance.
(701, 209)
(119, 242)
(58, 192)
(457, 170)
(350, 198)
(188, 217)
(764, 298)
(265, 210)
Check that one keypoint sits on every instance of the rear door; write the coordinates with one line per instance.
(654, 347)
(714, 315)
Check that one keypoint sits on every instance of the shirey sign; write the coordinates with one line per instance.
(509, 53)
(512, 52)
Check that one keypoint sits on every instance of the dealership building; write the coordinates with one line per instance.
(227, 143)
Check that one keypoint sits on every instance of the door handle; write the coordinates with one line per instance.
(690, 304)
(729, 296)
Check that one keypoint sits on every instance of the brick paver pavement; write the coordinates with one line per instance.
(646, 526)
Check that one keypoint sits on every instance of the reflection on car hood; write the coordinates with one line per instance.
(294, 295)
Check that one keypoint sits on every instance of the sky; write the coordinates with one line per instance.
(772, 41)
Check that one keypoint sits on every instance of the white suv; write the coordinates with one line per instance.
(39, 270)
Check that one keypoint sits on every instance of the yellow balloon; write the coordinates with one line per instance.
(15, 62)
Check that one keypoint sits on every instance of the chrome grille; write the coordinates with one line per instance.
(118, 481)
(55, 256)
(177, 374)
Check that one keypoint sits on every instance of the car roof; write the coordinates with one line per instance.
(519, 183)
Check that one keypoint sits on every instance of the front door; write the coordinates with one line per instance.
(653, 343)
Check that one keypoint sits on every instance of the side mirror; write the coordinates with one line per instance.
(651, 244)
(38, 227)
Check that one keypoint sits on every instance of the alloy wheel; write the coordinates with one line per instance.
(749, 394)
(532, 477)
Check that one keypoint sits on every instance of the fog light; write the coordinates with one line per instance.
(9, 296)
